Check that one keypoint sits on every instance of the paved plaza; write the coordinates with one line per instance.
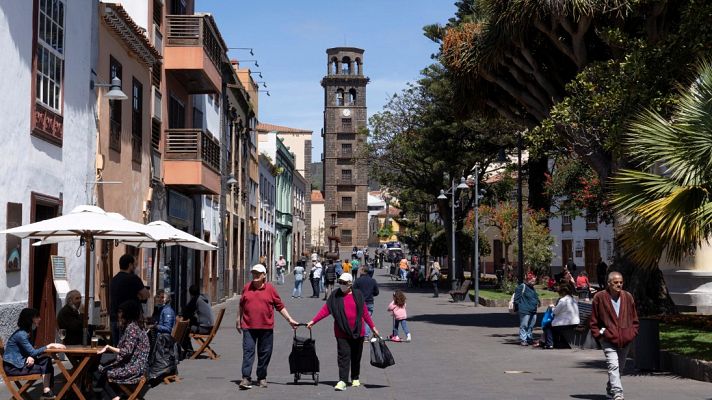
(458, 351)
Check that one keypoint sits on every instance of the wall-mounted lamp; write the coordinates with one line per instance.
(252, 61)
(258, 73)
(242, 48)
(114, 93)
(231, 181)
(266, 91)
(264, 84)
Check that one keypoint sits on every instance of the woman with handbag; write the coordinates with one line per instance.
(526, 300)
(566, 315)
(348, 308)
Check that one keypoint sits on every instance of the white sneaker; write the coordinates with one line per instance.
(407, 337)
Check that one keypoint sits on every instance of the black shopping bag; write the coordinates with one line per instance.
(381, 357)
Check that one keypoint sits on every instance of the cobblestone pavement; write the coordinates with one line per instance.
(458, 351)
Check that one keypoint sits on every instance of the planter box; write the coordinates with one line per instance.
(685, 366)
(505, 302)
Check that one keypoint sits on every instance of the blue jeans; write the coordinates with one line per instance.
(261, 339)
(401, 322)
(297, 292)
(526, 324)
(370, 312)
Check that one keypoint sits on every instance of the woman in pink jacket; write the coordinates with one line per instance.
(397, 308)
(350, 313)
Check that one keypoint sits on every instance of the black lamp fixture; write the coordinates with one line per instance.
(252, 61)
(259, 73)
(252, 53)
(265, 91)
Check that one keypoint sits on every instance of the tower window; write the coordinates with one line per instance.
(334, 66)
(339, 97)
(352, 97)
(346, 66)
(346, 124)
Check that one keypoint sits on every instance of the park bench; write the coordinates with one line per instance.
(459, 294)
(12, 381)
(580, 337)
(205, 339)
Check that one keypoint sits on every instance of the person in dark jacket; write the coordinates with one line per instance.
(527, 300)
(22, 358)
(70, 319)
(166, 316)
(614, 323)
(348, 309)
(601, 271)
(329, 278)
(369, 288)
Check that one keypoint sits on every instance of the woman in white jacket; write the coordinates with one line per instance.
(566, 315)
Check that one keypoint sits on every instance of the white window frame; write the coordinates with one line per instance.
(50, 76)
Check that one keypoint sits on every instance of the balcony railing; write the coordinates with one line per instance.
(193, 31)
(193, 144)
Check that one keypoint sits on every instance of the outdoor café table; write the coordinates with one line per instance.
(83, 354)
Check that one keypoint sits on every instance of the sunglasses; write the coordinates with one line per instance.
(616, 282)
(343, 283)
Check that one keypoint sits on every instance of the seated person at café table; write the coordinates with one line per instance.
(166, 317)
(131, 360)
(70, 319)
(199, 313)
(22, 358)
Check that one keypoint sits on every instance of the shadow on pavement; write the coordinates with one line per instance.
(490, 320)
(366, 385)
(589, 396)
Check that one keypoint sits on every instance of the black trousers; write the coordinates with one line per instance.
(315, 286)
(349, 356)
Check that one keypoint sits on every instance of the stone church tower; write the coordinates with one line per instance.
(345, 175)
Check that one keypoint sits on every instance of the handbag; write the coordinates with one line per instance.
(381, 356)
(514, 307)
(547, 318)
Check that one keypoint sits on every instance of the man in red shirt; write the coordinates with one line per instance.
(255, 320)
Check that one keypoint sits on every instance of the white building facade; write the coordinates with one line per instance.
(47, 119)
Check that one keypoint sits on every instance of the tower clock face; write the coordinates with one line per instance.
(346, 112)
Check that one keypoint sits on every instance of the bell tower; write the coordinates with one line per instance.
(345, 172)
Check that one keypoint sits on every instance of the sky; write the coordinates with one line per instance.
(290, 39)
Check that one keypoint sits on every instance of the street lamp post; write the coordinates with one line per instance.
(520, 240)
(453, 191)
(476, 259)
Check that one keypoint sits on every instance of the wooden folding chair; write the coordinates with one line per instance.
(180, 329)
(204, 340)
(134, 391)
(12, 381)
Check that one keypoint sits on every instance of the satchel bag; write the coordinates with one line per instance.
(381, 356)
(514, 307)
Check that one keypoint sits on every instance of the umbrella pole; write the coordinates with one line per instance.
(157, 263)
(87, 241)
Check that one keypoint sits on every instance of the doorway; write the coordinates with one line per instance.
(42, 293)
(566, 252)
(592, 253)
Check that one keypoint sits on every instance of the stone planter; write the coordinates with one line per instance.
(685, 366)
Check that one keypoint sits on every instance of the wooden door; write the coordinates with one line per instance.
(566, 252)
(42, 293)
(592, 254)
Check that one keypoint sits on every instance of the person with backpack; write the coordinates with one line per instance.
(435, 277)
(329, 279)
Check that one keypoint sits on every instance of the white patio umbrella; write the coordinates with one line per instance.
(83, 222)
(164, 234)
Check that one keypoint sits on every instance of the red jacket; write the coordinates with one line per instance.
(620, 330)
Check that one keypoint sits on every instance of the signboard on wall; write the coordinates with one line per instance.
(13, 244)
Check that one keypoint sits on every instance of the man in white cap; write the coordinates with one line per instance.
(255, 320)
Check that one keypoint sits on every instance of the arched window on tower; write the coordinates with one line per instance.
(340, 97)
(352, 97)
(359, 67)
(334, 66)
(346, 66)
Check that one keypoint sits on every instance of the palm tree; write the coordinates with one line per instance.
(667, 204)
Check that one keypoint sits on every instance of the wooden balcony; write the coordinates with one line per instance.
(194, 52)
(192, 161)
